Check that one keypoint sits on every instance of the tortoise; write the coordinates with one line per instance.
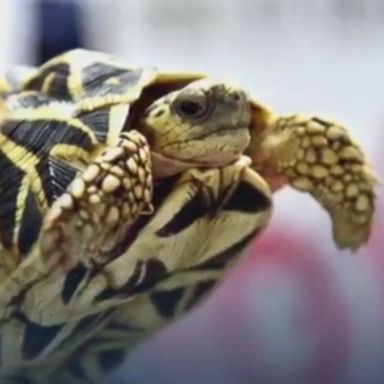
(127, 193)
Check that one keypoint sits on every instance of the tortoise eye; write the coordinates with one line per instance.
(191, 106)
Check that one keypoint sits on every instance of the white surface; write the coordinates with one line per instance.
(16, 32)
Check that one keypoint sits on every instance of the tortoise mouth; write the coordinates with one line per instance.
(215, 148)
(230, 131)
(166, 166)
(221, 131)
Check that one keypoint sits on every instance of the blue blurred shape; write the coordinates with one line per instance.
(60, 27)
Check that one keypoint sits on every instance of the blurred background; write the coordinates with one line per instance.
(295, 310)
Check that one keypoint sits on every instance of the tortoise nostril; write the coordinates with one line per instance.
(235, 96)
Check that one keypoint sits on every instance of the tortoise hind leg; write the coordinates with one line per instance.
(87, 222)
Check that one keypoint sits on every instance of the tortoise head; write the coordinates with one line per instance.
(210, 123)
(205, 123)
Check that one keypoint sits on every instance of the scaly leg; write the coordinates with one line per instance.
(319, 156)
(87, 222)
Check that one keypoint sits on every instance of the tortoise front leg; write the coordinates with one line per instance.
(320, 157)
(89, 221)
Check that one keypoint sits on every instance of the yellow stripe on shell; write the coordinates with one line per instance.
(20, 206)
(26, 161)
(40, 70)
(75, 79)
(47, 83)
(118, 116)
(60, 112)
(81, 126)
(77, 156)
